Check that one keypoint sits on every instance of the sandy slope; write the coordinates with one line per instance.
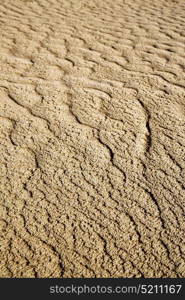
(92, 138)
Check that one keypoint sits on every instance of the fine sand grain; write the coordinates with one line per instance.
(92, 138)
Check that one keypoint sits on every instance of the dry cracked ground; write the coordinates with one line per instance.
(92, 138)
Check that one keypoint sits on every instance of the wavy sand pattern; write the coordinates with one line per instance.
(92, 138)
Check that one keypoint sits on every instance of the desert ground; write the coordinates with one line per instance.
(92, 138)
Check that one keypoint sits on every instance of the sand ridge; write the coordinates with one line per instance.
(92, 138)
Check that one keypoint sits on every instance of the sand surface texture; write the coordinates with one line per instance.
(92, 138)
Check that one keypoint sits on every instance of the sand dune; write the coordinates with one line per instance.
(92, 138)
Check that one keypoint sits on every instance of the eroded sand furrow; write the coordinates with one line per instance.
(92, 115)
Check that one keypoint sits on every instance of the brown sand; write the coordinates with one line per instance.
(92, 138)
